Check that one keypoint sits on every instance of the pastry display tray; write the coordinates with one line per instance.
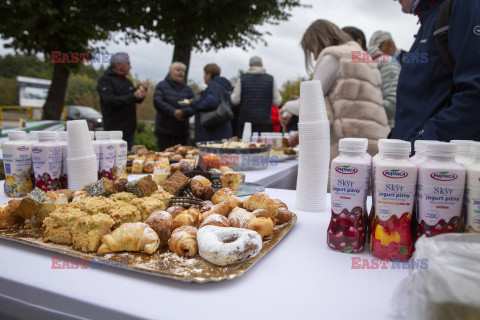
(163, 263)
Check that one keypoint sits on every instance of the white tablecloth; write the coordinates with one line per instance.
(300, 278)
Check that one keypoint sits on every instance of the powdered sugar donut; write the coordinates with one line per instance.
(223, 246)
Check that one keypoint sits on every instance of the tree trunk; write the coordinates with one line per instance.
(52, 109)
(182, 53)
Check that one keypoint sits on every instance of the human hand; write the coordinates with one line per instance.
(285, 117)
(179, 115)
(139, 93)
(293, 141)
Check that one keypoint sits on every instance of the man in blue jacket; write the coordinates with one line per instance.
(171, 123)
(434, 103)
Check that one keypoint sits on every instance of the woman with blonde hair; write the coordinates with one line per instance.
(351, 86)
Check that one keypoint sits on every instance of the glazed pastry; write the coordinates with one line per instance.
(136, 236)
(241, 218)
(224, 246)
(190, 217)
(263, 223)
(223, 208)
(215, 220)
(184, 241)
(161, 223)
(276, 208)
(174, 210)
(222, 195)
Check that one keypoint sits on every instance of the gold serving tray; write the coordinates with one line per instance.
(163, 263)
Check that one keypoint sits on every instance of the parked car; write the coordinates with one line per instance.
(93, 117)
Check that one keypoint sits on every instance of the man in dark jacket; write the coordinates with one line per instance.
(171, 125)
(432, 102)
(255, 93)
(118, 98)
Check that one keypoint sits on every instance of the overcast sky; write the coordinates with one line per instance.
(283, 56)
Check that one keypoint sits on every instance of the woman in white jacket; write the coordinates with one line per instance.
(351, 86)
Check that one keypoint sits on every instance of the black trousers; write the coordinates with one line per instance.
(165, 141)
(255, 128)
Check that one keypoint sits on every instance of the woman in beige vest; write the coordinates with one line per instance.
(351, 87)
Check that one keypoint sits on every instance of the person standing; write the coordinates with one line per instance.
(439, 99)
(210, 99)
(171, 123)
(254, 94)
(118, 98)
(389, 70)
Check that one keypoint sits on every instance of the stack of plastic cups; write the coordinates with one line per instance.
(82, 162)
(247, 132)
(314, 148)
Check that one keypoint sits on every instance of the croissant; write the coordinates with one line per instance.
(276, 208)
(222, 195)
(215, 220)
(184, 241)
(161, 223)
(263, 223)
(241, 218)
(174, 210)
(206, 206)
(190, 217)
(223, 208)
(135, 236)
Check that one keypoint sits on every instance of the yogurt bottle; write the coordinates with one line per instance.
(464, 153)
(121, 153)
(396, 178)
(106, 159)
(255, 137)
(62, 137)
(33, 135)
(441, 186)
(17, 162)
(471, 208)
(350, 177)
(420, 147)
(96, 147)
(47, 161)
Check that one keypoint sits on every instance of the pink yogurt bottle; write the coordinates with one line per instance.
(47, 161)
(106, 161)
(62, 136)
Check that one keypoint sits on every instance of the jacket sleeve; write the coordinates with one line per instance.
(276, 97)
(160, 103)
(209, 100)
(390, 72)
(188, 111)
(236, 93)
(111, 101)
(461, 119)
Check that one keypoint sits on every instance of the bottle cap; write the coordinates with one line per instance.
(47, 135)
(463, 146)
(116, 134)
(62, 135)
(475, 149)
(444, 149)
(353, 144)
(102, 135)
(395, 146)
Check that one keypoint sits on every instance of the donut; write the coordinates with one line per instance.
(223, 246)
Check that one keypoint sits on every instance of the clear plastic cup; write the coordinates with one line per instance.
(79, 143)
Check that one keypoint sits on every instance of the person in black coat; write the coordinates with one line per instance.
(210, 100)
(118, 98)
(171, 124)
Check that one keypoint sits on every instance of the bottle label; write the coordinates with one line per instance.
(120, 166)
(106, 160)
(472, 209)
(17, 161)
(47, 166)
(349, 187)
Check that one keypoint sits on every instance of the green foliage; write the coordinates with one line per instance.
(291, 88)
(8, 92)
(82, 90)
(145, 136)
(24, 65)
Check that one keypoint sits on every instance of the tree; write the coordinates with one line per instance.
(214, 24)
(69, 27)
(291, 88)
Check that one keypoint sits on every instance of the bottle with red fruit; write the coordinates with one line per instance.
(47, 161)
(350, 177)
(62, 135)
(395, 184)
(441, 186)
(107, 154)
(375, 158)
(472, 192)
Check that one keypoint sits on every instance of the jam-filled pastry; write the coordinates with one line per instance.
(206, 206)
(184, 241)
(130, 236)
(190, 217)
(276, 208)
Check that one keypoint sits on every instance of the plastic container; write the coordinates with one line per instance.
(121, 153)
(464, 153)
(471, 208)
(17, 162)
(47, 161)
(107, 154)
(420, 147)
(349, 178)
(396, 178)
(255, 137)
(62, 137)
(441, 186)
(33, 135)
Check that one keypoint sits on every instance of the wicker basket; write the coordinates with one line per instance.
(186, 202)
